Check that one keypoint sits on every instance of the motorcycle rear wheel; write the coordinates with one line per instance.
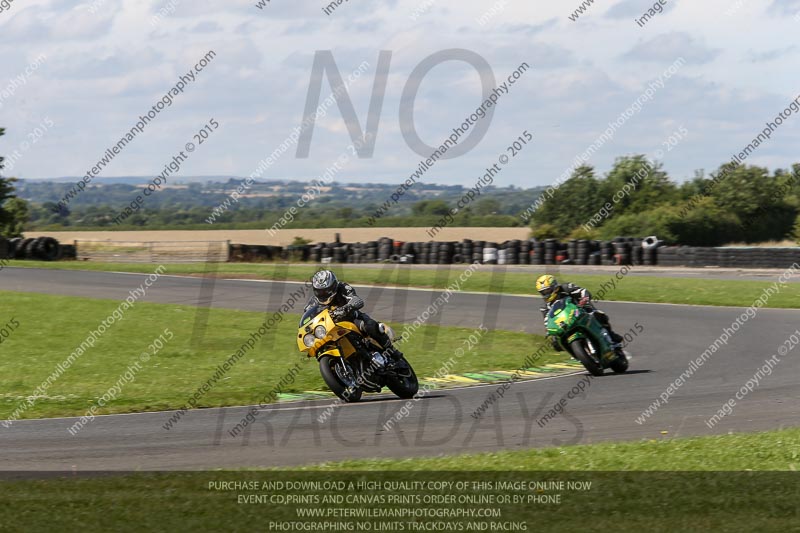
(327, 368)
(588, 362)
(405, 386)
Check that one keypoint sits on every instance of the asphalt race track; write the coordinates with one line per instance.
(440, 423)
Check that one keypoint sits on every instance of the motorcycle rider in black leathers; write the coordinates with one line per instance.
(551, 290)
(328, 291)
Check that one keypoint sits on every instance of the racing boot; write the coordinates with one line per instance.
(394, 355)
(616, 337)
(618, 341)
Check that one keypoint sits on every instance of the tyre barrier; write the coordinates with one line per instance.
(39, 249)
(728, 257)
(650, 242)
(648, 251)
(490, 256)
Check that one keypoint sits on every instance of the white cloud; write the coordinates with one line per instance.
(106, 68)
(668, 46)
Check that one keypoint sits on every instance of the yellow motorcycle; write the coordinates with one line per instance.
(351, 363)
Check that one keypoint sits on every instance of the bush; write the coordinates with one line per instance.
(583, 233)
(796, 233)
(546, 231)
(706, 225)
(655, 222)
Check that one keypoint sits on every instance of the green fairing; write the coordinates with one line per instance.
(568, 322)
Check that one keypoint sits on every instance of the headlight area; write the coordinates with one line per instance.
(308, 340)
(320, 332)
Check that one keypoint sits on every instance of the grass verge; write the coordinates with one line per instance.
(774, 450)
(50, 328)
(670, 485)
(734, 293)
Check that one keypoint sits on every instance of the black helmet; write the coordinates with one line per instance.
(324, 284)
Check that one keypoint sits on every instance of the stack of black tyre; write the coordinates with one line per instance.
(550, 249)
(423, 253)
(581, 248)
(385, 248)
(371, 252)
(338, 253)
(537, 253)
(477, 251)
(446, 253)
(572, 250)
(512, 252)
(327, 252)
(40, 248)
(316, 253)
(409, 251)
(649, 256)
(466, 252)
(524, 256)
(637, 252)
(356, 253)
(433, 253)
(622, 251)
(606, 253)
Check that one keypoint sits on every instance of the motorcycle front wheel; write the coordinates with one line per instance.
(331, 370)
(620, 365)
(588, 362)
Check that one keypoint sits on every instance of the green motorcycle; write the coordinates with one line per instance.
(584, 337)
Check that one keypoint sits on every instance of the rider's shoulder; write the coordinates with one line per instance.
(346, 287)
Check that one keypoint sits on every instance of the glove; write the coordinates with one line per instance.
(583, 301)
(339, 313)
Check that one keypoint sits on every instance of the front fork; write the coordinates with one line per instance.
(348, 371)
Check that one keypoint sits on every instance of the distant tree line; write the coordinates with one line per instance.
(13, 211)
(637, 198)
(736, 203)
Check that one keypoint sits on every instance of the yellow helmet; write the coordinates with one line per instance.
(547, 286)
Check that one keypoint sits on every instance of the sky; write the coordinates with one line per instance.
(76, 76)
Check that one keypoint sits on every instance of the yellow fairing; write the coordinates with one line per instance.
(334, 333)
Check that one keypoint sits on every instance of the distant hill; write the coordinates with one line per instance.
(190, 200)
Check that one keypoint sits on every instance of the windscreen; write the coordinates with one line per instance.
(312, 311)
(557, 308)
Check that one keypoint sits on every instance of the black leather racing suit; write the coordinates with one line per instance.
(348, 305)
(577, 294)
